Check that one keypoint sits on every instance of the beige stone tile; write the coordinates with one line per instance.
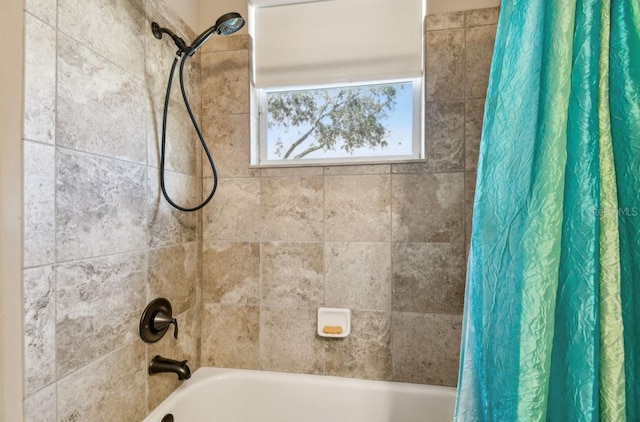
(292, 208)
(469, 193)
(412, 168)
(444, 68)
(39, 204)
(444, 137)
(440, 21)
(289, 342)
(159, 386)
(230, 144)
(100, 107)
(41, 405)
(358, 275)
(160, 12)
(292, 274)
(291, 171)
(231, 272)
(100, 207)
(39, 78)
(473, 118)
(358, 208)
(173, 274)
(486, 16)
(225, 80)
(232, 336)
(123, 22)
(234, 212)
(186, 346)
(428, 207)
(98, 307)
(428, 277)
(39, 328)
(159, 57)
(357, 169)
(110, 389)
(228, 43)
(45, 10)
(167, 225)
(182, 146)
(479, 52)
(425, 348)
(199, 231)
(366, 352)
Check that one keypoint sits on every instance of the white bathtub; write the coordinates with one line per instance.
(234, 395)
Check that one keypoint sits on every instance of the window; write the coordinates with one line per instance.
(337, 124)
(336, 81)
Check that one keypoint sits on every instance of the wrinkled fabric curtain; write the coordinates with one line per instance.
(552, 310)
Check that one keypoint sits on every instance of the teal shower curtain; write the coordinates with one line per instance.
(552, 312)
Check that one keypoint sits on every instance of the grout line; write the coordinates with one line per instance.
(146, 346)
(141, 78)
(260, 281)
(324, 343)
(464, 138)
(391, 241)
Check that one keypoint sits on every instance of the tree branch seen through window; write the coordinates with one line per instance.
(349, 119)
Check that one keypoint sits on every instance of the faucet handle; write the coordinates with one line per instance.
(156, 319)
(161, 321)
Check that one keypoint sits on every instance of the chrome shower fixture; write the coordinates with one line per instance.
(226, 24)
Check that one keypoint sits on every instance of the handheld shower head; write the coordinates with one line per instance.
(229, 23)
(226, 24)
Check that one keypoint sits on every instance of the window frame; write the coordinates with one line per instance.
(259, 128)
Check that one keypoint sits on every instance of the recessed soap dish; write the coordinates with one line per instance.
(334, 322)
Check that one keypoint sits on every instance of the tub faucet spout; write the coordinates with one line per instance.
(159, 365)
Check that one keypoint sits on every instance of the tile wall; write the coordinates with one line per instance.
(387, 241)
(247, 274)
(99, 241)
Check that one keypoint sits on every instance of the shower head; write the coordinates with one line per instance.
(229, 23)
(226, 24)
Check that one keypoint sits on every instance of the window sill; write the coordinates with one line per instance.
(336, 163)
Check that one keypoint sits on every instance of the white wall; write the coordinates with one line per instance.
(188, 10)
(11, 65)
(211, 10)
(201, 14)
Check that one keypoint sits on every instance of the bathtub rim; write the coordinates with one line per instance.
(210, 374)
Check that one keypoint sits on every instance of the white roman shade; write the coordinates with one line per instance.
(335, 41)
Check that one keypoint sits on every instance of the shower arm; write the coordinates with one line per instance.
(158, 31)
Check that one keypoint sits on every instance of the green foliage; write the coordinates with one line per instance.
(322, 119)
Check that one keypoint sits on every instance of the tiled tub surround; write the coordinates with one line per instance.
(99, 241)
(387, 241)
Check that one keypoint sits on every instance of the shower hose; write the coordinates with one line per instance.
(198, 131)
